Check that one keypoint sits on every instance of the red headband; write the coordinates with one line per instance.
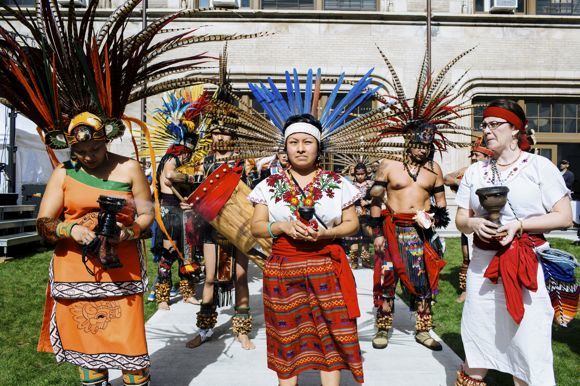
(505, 114)
(178, 150)
(512, 118)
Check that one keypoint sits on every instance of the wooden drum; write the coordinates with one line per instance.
(222, 200)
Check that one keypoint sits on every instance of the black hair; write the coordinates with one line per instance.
(306, 118)
(360, 166)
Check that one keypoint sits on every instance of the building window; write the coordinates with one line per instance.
(350, 5)
(484, 5)
(287, 4)
(22, 3)
(544, 115)
(245, 4)
(558, 7)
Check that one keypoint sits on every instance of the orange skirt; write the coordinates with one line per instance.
(97, 333)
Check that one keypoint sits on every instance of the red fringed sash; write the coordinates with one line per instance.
(517, 265)
(433, 262)
(283, 246)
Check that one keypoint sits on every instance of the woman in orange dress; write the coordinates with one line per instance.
(94, 312)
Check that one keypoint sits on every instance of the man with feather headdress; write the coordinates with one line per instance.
(225, 267)
(176, 120)
(407, 247)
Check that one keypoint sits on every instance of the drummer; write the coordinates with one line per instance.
(219, 282)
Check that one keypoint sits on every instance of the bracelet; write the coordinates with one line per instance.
(63, 229)
(521, 231)
(270, 229)
(133, 232)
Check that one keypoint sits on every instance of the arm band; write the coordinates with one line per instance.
(375, 222)
(381, 183)
(51, 230)
(438, 189)
(133, 232)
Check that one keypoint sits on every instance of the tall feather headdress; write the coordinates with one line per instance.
(258, 136)
(53, 71)
(176, 121)
(427, 119)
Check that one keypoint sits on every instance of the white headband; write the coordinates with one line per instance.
(302, 127)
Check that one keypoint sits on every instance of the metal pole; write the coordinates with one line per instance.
(144, 100)
(12, 151)
(429, 36)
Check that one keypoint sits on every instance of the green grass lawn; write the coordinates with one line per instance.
(22, 287)
(447, 320)
(23, 284)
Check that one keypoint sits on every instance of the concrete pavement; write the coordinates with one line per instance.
(222, 362)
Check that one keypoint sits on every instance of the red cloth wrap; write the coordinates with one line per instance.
(211, 196)
(512, 118)
(178, 150)
(433, 262)
(284, 246)
(517, 265)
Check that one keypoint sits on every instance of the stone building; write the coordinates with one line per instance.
(530, 52)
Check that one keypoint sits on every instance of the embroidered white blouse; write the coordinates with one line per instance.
(535, 186)
(331, 193)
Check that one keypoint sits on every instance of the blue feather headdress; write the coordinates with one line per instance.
(172, 112)
(343, 132)
(335, 112)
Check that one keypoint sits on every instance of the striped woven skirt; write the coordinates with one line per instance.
(307, 323)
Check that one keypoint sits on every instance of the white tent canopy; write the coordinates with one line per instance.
(32, 163)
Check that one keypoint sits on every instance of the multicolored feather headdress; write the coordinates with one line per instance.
(429, 117)
(56, 70)
(177, 121)
(258, 137)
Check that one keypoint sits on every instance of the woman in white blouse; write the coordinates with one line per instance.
(310, 304)
(507, 326)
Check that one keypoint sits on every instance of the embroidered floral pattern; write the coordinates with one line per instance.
(488, 174)
(94, 316)
(280, 187)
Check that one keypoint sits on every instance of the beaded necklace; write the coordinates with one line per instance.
(495, 172)
(307, 201)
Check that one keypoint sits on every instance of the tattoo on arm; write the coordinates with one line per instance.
(46, 227)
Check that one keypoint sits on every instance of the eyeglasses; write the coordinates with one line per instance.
(491, 125)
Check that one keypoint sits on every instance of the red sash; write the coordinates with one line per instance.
(433, 262)
(517, 265)
(284, 246)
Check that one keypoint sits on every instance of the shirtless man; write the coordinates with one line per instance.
(213, 243)
(172, 216)
(411, 249)
(453, 179)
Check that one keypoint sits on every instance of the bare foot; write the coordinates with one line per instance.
(192, 300)
(461, 298)
(163, 306)
(245, 341)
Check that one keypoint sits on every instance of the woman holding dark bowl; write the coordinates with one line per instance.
(94, 208)
(310, 303)
(507, 317)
